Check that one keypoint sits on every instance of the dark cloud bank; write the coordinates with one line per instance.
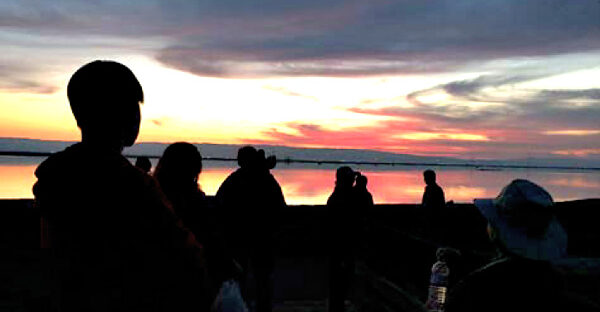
(324, 38)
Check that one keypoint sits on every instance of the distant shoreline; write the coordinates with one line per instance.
(487, 167)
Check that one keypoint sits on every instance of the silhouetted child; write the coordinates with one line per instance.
(115, 243)
(251, 199)
(343, 225)
(144, 164)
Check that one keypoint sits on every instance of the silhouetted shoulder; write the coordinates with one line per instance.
(230, 185)
(82, 166)
(508, 285)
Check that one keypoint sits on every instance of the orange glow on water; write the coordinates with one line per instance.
(312, 186)
(16, 181)
(211, 178)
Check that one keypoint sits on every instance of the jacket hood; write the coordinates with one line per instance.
(73, 166)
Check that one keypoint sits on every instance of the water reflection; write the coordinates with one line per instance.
(313, 185)
(16, 180)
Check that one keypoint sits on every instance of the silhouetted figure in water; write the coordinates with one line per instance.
(144, 164)
(250, 200)
(344, 225)
(177, 173)
(433, 197)
(114, 241)
(522, 224)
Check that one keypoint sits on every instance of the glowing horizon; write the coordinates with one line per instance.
(357, 79)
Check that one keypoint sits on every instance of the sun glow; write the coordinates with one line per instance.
(184, 106)
(434, 98)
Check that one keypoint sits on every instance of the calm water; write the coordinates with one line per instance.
(313, 185)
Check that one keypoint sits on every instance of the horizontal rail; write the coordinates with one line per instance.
(351, 162)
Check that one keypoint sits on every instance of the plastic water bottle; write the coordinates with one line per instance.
(438, 284)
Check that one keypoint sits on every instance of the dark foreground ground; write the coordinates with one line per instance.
(394, 258)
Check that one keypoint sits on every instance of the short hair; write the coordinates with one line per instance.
(361, 180)
(246, 156)
(180, 162)
(345, 173)
(429, 174)
(99, 89)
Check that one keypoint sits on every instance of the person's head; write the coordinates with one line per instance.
(247, 156)
(522, 221)
(255, 160)
(180, 164)
(361, 181)
(143, 163)
(105, 98)
(344, 177)
(429, 176)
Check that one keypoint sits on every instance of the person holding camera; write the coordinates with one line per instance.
(249, 201)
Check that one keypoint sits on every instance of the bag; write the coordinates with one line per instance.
(229, 298)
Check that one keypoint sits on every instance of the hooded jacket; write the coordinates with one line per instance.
(113, 237)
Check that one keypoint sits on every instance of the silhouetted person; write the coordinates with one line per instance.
(364, 202)
(114, 241)
(251, 199)
(523, 225)
(433, 197)
(433, 205)
(343, 225)
(177, 173)
(364, 197)
(144, 164)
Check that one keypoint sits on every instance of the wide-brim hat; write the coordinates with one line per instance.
(505, 213)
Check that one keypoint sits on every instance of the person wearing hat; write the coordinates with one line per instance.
(249, 203)
(522, 225)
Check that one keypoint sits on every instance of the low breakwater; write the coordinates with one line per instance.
(301, 226)
(395, 254)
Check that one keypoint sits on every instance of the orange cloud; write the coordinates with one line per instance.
(572, 132)
(383, 136)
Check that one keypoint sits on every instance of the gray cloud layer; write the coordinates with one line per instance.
(235, 38)
(531, 109)
(516, 125)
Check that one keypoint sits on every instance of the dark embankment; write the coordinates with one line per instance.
(394, 258)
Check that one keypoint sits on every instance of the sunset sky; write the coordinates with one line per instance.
(469, 79)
